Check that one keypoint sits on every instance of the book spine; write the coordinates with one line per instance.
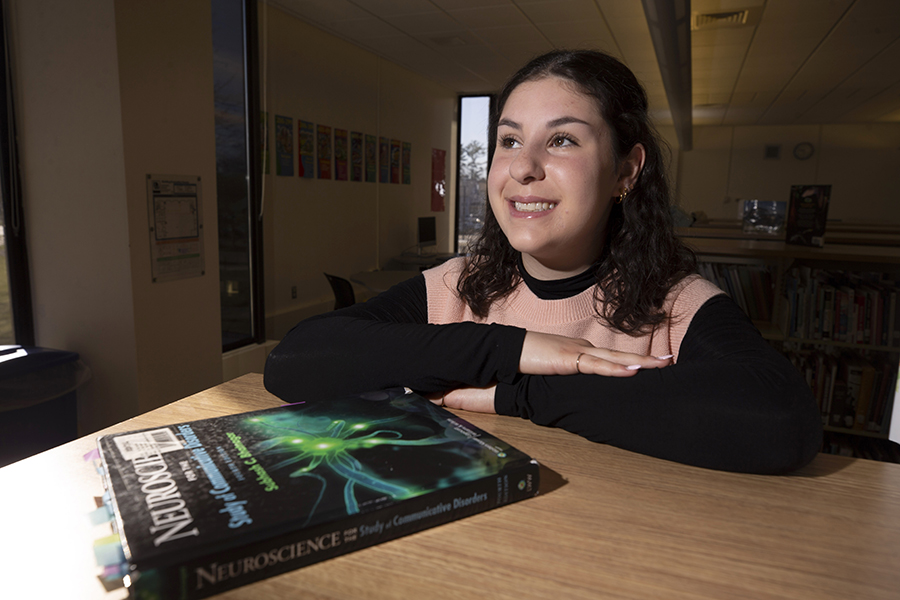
(219, 571)
(828, 312)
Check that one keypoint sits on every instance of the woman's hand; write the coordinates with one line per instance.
(472, 399)
(549, 354)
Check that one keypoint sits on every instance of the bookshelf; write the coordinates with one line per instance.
(833, 311)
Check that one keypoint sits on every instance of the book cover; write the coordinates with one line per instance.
(209, 505)
(807, 215)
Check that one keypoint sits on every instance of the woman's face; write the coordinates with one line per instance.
(554, 177)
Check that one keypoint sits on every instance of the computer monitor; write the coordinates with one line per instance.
(427, 234)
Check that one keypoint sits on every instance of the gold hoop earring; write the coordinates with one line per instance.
(621, 198)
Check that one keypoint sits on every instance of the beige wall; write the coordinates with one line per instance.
(860, 162)
(108, 92)
(343, 227)
(74, 188)
(168, 124)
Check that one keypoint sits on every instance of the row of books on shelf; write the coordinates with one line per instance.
(853, 392)
(842, 307)
(751, 286)
(861, 447)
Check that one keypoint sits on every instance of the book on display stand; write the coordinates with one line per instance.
(206, 506)
(807, 215)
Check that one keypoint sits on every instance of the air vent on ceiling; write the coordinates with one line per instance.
(734, 18)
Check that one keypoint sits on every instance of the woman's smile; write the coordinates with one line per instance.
(529, 207)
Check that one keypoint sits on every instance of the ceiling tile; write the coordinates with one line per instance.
(319, 11)
(553, 11)
(617, 9)
(519, 53)
(393, 8)
(506, 15)
(869, 82)
(883, 106)
(363, 29)
(496, 37)
(458, 4)
(424, 24)
(574, 34)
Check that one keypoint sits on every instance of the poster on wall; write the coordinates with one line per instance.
(371, 158)
(356, 156)
(175, 209)
(306, 148)
(395, 161)
(405, 159)
(264, 140)
(323, 148)
(438, 179)
(284, 145)
(384, 160)
(340, 155)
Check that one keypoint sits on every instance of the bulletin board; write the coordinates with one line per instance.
(176, 227)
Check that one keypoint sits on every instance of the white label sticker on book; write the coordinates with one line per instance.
(147, 443)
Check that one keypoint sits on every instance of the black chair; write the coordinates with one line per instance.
(343, 291)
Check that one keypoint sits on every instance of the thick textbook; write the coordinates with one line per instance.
(209, 505)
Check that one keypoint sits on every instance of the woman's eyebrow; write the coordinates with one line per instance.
(566, 121)
(550, 124)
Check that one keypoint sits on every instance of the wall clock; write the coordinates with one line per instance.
(803, 150)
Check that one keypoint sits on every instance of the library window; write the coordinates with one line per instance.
(16, 322)
(471, 191)
(237, 172)
(6, 323)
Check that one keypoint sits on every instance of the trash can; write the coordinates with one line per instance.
(38, 407)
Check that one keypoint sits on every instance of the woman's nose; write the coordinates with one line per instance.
(526, 166)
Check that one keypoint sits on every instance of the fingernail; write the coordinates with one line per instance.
(665, 357)
(633, 367)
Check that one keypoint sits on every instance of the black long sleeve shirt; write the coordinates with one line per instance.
(731, 402)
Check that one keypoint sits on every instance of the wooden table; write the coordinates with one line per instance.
(607, 524)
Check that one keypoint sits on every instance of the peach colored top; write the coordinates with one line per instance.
(571, 317)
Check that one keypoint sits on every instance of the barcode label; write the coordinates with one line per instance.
(147, 443)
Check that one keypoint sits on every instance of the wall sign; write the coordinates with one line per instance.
(176, 226)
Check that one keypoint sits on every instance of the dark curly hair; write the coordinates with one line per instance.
(641, 259)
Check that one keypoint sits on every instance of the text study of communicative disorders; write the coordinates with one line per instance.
(210, 505)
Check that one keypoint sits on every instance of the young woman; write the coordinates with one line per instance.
(577, 306)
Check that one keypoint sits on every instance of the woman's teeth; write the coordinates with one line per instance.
(534, 206)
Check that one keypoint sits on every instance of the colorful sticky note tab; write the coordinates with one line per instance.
(108, 550)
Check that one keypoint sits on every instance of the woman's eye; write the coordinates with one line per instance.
(560, 141)
(508, 142)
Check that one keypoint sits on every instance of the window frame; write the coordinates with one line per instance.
(492, 103)
(254, 165)
(11, 195)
